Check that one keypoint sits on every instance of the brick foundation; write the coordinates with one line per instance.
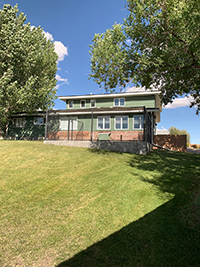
(86, 135)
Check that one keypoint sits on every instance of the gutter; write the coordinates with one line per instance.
(163, 147)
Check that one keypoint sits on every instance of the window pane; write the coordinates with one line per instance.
(107, 123)
(100, 123)
(142, 122)
(137, 122)
(122, 102)
(70, 104)
(117, 122)
(38, 121)
(19, 122)
(116, 101)
(92, 103)
(64, 124)
(82, 103)
(125, 122)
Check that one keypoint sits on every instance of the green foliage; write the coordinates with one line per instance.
(159, 47)
(175, 131)
(28, 64)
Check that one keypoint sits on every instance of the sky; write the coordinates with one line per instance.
(71, 25)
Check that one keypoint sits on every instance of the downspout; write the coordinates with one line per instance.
(162, 147)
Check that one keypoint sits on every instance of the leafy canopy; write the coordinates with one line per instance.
(28, 64)
(157, 46)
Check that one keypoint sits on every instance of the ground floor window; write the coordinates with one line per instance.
(103, 123)
(138, 122)
(19, 122)
(38, 120)
(121, 123)
(64, 123)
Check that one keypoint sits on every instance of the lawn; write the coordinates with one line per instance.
(65, 206)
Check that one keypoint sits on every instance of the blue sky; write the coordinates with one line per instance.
(71, 24)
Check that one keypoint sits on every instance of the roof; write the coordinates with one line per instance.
(109, 95)
(108, 111)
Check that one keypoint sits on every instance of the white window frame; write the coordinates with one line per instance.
(38, 123)
(105, 129)
(19, 122)
(83, 100)
(94, 103)
(140, 126)
(64, 123)
(119, 102)
(121, 123)
(70, 101)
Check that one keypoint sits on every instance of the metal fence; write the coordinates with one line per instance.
(148, 134)
(63, 127)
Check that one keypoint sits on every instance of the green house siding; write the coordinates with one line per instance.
(132, 101)
(29, 129)
(86, 120)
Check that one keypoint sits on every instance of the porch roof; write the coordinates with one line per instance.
(109, 111)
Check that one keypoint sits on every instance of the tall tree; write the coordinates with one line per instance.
(157, 46)
(28, 65)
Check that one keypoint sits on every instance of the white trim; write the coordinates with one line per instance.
(103, 129)
(115, 95)
(119, 102)
(84, 101)
(101, 112)
(64, 120)
(121, 122)
(140, 128)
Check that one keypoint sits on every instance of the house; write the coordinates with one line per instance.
(122, 116)
(27, 126)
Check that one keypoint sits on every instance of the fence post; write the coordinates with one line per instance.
(68, 127)
(46, 124)
(144, 125)
(91, 125)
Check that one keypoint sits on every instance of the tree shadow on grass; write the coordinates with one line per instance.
(103, 151)
(167, 236)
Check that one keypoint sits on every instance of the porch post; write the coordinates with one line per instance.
(68, 127)
(45, 136)
(91, 125)
(144, 122)
(72, 131)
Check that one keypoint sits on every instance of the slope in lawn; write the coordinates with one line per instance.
(80, 207)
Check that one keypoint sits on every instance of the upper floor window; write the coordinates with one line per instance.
(38, 120)
(70, 104)
(19, 122)
(103, 123)
(83, 104)
(119, 102)
(138, 122)
(121, 123)
(92, 103)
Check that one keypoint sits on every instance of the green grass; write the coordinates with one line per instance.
(64, 206)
